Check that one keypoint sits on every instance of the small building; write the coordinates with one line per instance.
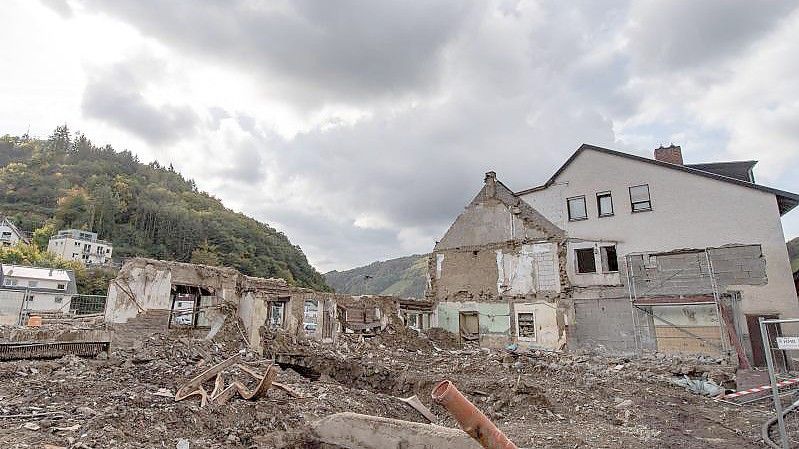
(28, 290)
(83, 246)
(9, 234)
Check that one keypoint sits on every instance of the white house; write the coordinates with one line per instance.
(655, 254)
(28, 290)
(9, 234)
(83, 246)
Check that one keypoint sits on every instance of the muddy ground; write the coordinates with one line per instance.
(539, 399)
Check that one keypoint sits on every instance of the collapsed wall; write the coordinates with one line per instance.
(498, 274)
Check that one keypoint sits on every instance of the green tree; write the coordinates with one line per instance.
(205, 254)
(41, 236)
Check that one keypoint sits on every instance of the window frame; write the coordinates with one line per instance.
(569, 209)
(633, 203)
(577, 261)
(606, 193)
(605, 259)
(518, 327)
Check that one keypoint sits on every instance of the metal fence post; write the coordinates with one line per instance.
(773, 378)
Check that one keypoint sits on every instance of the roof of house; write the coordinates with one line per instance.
(785, 200)
(13, 227)
(50, 274)
(734, 169)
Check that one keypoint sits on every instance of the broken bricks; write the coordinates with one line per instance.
(221, 394)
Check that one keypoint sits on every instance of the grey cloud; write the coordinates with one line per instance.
(61, 7)
(314, 52)
(113, 96)
(683, 35)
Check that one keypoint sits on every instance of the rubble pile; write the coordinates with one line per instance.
(540, 399)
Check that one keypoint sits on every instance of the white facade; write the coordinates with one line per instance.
(9, 234)
(687, 211)
(83, 246)
(43, 289)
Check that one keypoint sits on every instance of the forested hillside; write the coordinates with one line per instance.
(404, 277)
(144, 209)
(793, 253)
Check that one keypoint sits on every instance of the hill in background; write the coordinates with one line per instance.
(405, 277)
(146, 210)
(793, 253)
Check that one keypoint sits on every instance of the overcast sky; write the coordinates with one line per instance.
(362, 128)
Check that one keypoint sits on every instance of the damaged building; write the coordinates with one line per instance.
(153, 296)
(620, 252)
(497, 274)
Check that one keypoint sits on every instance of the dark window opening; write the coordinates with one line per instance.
(576, 208)
(604, 204)
(585, 260)
(526, 324)
(639, 198)
(610, 262)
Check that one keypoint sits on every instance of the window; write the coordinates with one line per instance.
(276, 312)
(61, 286)
(604, 204)
(639, 198)
(525, 323)
(576, 208)
(585, 260)
(610, 262)
(33, 283)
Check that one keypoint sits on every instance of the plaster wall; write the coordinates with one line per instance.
(548, 335)
(150, 287)
(489, 221)
(688, 211)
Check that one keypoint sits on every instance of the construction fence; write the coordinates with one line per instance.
(17, 305)
(781, 338)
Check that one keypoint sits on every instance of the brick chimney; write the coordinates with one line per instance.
(491, 184)
(671, 154)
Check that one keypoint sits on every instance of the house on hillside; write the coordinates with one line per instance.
(652, 254)
(83, 246)
(27, 291)
(9, 234)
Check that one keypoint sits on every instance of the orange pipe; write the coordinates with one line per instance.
(471, 420)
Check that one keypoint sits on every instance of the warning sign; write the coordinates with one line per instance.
(788, 342)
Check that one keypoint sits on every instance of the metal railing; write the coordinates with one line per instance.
(782, 431)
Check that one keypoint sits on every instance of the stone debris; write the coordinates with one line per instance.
(538, 398)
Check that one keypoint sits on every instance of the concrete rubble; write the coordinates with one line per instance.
(537, 398)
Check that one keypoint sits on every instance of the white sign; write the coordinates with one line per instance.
(788, 342)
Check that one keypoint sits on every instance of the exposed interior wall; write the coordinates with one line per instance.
(494, 320)
(549, 325)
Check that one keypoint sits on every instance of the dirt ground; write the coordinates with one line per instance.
(539, 399)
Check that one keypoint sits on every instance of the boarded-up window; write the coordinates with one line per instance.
(585, 260)
(525, 322)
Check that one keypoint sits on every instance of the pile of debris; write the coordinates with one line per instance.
(539, 399)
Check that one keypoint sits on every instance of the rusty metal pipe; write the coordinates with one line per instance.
(471, 420)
